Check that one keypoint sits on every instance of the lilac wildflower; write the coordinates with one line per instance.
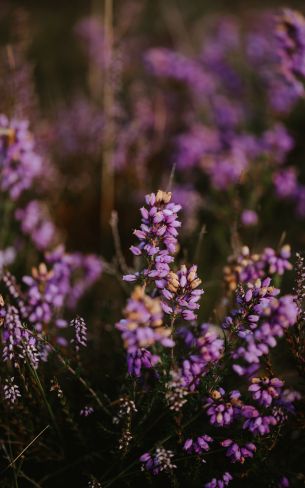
(181, 293)
(19, 163)
(160, 461)
(220, 411)
(199, 445)
(157, 234)
(141, 359)
(11, 391)
(265, 390)
(143, 323)
(219, 483)
(237, 453)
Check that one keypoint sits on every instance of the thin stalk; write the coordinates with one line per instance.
(107, 173)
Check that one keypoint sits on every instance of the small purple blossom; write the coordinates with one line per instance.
(181, 293)
(249, 218)
(238, 453)
(141, 359)
(160, 461)
(143, 323)
(265, 390)
(220, 410)
(198, 446)
(219, 483)
(11, 391)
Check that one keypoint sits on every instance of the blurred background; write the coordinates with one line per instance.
(115, 119)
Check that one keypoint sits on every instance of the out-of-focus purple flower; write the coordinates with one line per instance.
(35, 222)
(7, 256)
(78, 129)
(249, 217)
(191, 202)
(143, 323)
(290, 35)
(283, 482)
(276, 143)
(262, 48)
(192, 370)
(75, 272)
(247, 267)
(160, 461)
(265, 390)
(166, 63)
(141, 359)
(238, 453)
(286, 183)
(20, 165)
(221, 482)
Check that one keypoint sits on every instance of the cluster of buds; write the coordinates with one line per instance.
(126, 408)
(80, 329)
(246, 267)
(11, 391)
(125, 439)
(181, 293)
(157, 235)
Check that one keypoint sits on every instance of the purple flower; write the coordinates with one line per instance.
(157, 235)
(166, 63)
(11, 391)
(265, 390)
(143, 323)
(238, 453)
(291, 43)
(199, 445)
(257, 423)
(209, 344)
(247, 267)
(259, 320)
(181, 293)
(160, 461)
(219, 483)
(286, 183)
(19, 343)
(249, 217)
(141, 359)
(20, 165)
(220, 411)
(35, 222)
